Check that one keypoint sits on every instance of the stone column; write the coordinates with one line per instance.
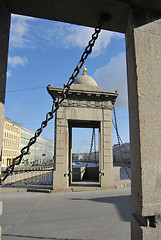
(143, 44)
(4, 38)
(60, 176)
(107, 178)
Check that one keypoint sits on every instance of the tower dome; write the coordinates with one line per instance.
(85, 79)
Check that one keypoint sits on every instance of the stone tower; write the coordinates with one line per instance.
(86, 106)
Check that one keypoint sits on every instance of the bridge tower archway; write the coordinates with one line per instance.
(86, 168)
(86, 104)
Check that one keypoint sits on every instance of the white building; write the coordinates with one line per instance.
(84, 157)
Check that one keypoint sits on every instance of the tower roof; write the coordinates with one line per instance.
(85, 79)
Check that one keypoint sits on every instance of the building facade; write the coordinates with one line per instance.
(41, 152)
(15, 137)
(11, 142)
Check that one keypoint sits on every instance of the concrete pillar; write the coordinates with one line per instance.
(60, 176)
(107, 178)
(143, 44)
(4, 38)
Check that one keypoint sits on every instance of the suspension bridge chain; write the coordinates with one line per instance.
(95, 157)
(119, 142)
(57, 101)
(89, 157)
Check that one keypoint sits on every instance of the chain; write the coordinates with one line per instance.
(89, 157)
(57, 101)
(95, 157)
(119, 140)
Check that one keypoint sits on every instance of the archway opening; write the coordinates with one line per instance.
(84, 160)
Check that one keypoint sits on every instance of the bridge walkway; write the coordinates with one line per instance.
(93, 215)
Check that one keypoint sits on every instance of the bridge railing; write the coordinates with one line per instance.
(34, 175)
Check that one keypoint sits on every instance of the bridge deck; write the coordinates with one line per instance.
(93, 215)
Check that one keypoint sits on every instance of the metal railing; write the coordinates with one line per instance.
(38, 175)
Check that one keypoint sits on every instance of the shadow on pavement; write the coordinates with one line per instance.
(34, 237)
(122, 204)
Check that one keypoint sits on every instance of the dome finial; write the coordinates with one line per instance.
(84, 70)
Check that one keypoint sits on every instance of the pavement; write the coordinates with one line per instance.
(85, 215)
(75, 187)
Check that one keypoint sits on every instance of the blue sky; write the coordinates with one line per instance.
(43, 52)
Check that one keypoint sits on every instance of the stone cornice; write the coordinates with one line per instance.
(82, 95)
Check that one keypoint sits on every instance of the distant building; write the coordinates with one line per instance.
(15, 137)
(125, 151)
(84, 157)
(40, 152)
(11, 142)
(78, 157)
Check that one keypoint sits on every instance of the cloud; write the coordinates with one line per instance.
(78, 36)
(112, 77)
(16, 60)
(70, 36)
(21, 32)
(9, 73)
(27, 32)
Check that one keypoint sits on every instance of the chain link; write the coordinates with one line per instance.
(58, 101)
(119, 140)
(95, 155)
